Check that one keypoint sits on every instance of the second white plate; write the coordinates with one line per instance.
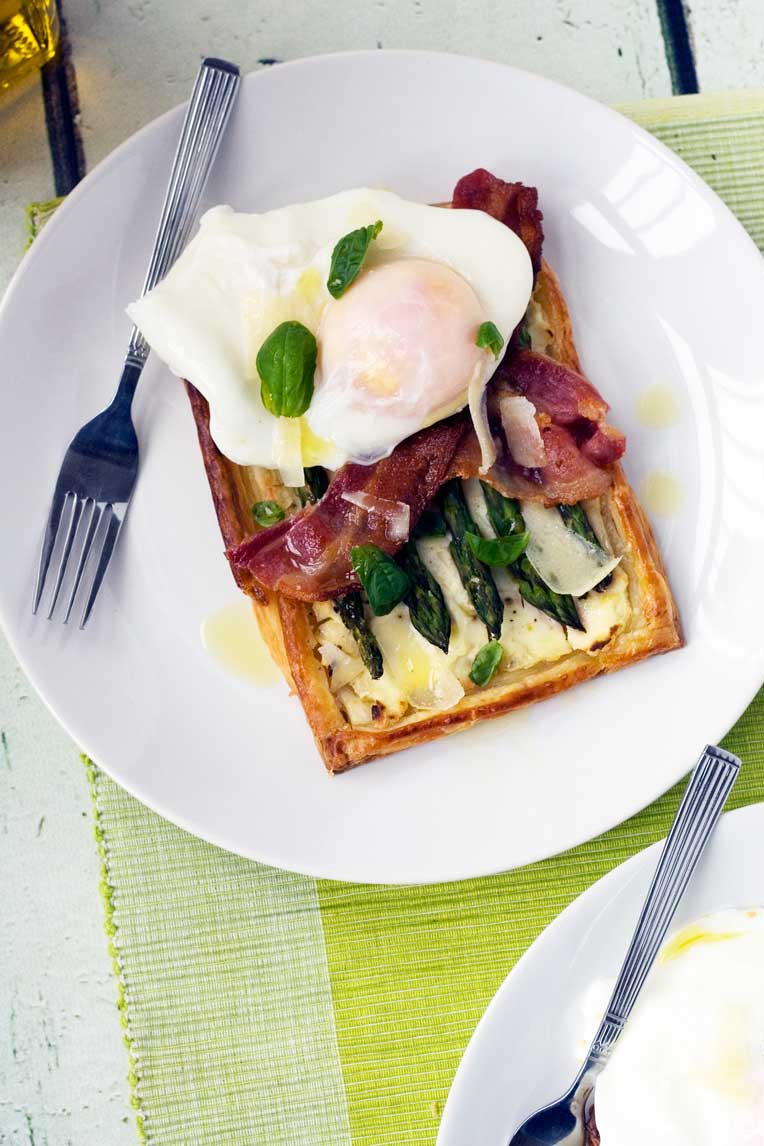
(664, 286)
(526, 1048)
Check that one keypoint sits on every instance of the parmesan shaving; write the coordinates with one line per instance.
(287, 450)
(524, 440)
(564, 561)
(479, 414)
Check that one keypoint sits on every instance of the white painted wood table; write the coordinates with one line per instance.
(63, 1064)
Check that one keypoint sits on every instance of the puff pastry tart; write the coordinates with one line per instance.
(486, 554)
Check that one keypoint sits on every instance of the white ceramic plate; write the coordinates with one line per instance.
(664, 287)
(525, 1050)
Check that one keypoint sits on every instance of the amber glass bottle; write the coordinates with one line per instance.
(28, 37)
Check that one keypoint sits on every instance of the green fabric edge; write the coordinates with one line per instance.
(106, 890)
(38, 214)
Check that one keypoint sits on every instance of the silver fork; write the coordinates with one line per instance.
(564, 1121)
(100, 466)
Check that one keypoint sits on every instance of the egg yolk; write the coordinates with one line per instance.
(397, 352)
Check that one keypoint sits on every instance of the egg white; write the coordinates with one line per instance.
(243, 274)
(689, 1067)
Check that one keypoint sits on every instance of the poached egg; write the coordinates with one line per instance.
(396, 352)
(689, 1067)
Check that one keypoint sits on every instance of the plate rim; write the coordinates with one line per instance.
(339, 870)
(91, 177)
(617, 878)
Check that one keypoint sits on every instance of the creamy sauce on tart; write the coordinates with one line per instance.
(418, 676)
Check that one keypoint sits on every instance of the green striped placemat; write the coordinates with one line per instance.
(267, 1008)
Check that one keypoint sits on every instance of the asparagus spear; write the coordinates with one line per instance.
(350, 611)
(350, 607)
(430, 524)
(476, 577)
(316, 485)
(506, 517)
(575, 518)
(560, 607)
(427, 607)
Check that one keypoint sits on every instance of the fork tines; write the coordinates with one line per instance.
(84, 526)
(99, 468)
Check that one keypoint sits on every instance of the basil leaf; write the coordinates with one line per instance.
(430, 524)
(385, 582)
(489, 338)
(286, 363)
(497, 551)
(486, 662)
(267, 512)
(524, 338)
(348, 256)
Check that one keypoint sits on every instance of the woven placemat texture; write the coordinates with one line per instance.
(264, 1007)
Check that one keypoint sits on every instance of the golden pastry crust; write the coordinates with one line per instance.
(550, 302)
(289, 626)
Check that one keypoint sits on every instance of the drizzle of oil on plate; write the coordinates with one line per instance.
(232, 638)
(661, 493)
(658, 407)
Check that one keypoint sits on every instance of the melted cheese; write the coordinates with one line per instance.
(538, 329)
(343, 667)
(603, 614)
(419, 676)
(420, 670)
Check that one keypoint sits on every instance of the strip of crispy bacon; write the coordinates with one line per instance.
(605, 445)
(578, 442)
(567, 477)
(568, 398)
(510, 203)
(553, 388)
(308, 556)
